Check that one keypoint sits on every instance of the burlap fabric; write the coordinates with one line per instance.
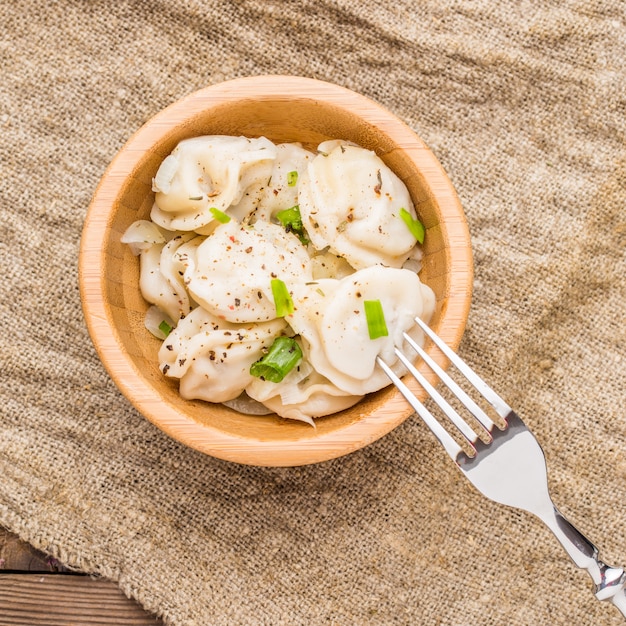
(524, 104)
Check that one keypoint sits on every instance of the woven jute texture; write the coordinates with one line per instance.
(524, 103)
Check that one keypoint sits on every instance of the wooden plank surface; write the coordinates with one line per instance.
(36, 590)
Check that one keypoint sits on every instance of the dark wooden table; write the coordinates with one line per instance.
(36, 590)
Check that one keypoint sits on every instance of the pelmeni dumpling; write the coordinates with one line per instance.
(212, 357)
(209, 172)
(331, 321)
(234, 267)
(312, 396)
(350, 202)
(161, 277)
(281, 190)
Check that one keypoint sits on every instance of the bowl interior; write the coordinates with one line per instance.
(283, 110)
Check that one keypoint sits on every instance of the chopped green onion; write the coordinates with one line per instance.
(290, 216)
(282, 299)
(375, 317)
(165, 328)
(292, 178)
(414, 225)
(220, 216)
(196, 198)
(291, 219)
(282, 357)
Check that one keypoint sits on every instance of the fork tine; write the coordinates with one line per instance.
(447, 380)
(439, 400)
(450, 445)
(500, 406)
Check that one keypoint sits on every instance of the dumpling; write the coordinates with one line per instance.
(211, 357)
(209, 172)
(234, 267)
(330, 318)
(161, 277)
(314, 396)
(350, 202)
(280, 190)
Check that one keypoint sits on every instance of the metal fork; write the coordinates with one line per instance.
(506, 464)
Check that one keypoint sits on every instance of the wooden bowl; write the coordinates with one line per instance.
(283, 109)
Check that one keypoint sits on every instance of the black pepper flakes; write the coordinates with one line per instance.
(379, 185)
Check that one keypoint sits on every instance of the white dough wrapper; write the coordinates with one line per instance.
(303, 400)
(350, 201)
(202, 173)
(234, 267)
(161, 277)
(280, 190)
(211, 357)
(330, 318)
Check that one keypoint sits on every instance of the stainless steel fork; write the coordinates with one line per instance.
(506, 463)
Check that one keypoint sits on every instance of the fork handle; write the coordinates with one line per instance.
(609, 582)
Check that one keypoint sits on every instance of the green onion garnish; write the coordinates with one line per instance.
(220, 216)
(414, 225)
(375, 317)
(165, 328)
(282, 357)
(292, 178)
(292, 222)
(282, 299)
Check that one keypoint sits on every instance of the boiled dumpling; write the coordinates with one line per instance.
(161, 277)
(315, 396)
(235, 265)
(280, 190)
(330, 318)
(350, 201)
(211, 357)
(209, 172)
(302, 395)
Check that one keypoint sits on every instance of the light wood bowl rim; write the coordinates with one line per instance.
(306, 449)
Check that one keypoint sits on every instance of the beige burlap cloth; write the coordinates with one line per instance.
(524, 103)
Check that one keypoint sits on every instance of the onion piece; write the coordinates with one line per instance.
(298, 373)
(141, 235)
(154, 318)
(165, 174)
(246, 405)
